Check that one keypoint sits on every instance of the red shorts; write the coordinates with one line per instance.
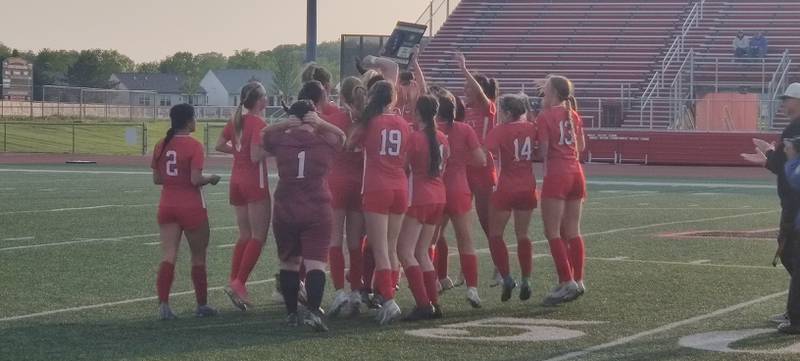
(385, 202)
(306, 239)
(458, 203)
(187, 218)
(481, 179)
(568, 186)
(518, 201)
(346, 195)
(427, 213)
(245, 190)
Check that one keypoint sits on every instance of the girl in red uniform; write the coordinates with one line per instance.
(383, 137)
(561, 141)
(427, 152)
(249, 188)
(512, 144)
(465, 150)
(178, 166)
(480, 93)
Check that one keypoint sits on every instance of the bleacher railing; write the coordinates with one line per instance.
(677, 48)
(436, 14)
(778, 84)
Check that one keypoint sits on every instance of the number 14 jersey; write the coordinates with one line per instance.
(512, 144)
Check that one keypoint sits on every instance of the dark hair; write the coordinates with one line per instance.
(379, 97)
(314, 71)
(427, 108)
(179, 115)
(406, 77)
(374, 80)
(250, 94)
(514, 104)
(447, 104)
(312, 90)
(300, 108)
(461, 110)
(488, 85)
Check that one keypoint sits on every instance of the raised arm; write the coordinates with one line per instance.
(471, 82)
(388, 68)
(418, 75)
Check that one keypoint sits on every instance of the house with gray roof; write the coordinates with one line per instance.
(223, 87)
(170, 88)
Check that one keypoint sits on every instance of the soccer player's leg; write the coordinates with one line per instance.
(355, 240)
(258, 214)
(552, 215)
(336, 261)
(287, 240)
(170, 235)
(522, 222)
(314, 243)
(376, 215)
(499, 215)
(197, 234)
(406, 251)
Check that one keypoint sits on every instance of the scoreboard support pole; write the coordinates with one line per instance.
(311, 30)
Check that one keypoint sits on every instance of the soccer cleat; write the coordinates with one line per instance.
(497, 279)
(460, 281)
(375, 302)
(779, 318)
(525, 291)
(340, 303)
(419, 314)
(292, 320)
(355, 304)
(237, 302)
(561, 294)
(445, 284)
(302, 297)
(314, 319)
(388, 313)
(437, 312)
(165, 313)
(581, 288)
(205, 311)
(473, 298)
(789, 328)
(508, 286)
(240, 290)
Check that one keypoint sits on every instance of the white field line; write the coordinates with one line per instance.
(667, 327)
(642, 194)
(103, 206)
(116, 303)
(18, 239)
(22, 170)
(672, 209)
(95, 240)
(682, 184)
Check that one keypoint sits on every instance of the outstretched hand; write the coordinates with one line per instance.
(460, 59)
(762, 145)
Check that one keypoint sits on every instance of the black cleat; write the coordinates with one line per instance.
(419, 314)
(789, 328)
(508, 287)
(437, 312)
(525, 292)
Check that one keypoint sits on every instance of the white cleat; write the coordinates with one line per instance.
(354, 303)
(388, 313)
(497, 279)
(581, 288)
(301, 294)
(473, 298)
(445, 284)
(561, 294)
(779, 318)
(340, 303)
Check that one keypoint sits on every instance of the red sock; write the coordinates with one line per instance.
(525, 255)
(441, 259)
(249, 259)
(236, 261)
(431, 286)
(200, 281)
(577, 257)
(356, 269)
(166, 273)
(561, 260)
(432, 252)
(395, 278)
(497, 247)
(383, 283)
(369, 267)
(336, 261)
(416, 283)
(469, 268)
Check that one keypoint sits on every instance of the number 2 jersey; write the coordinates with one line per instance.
(512, 144)
(563, 156)
(303, 159)
(174, 164)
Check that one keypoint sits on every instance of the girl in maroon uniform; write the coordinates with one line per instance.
(303, 150)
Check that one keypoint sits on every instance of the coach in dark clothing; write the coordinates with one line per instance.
(789, 235)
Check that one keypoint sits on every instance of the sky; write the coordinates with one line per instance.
(149, 30)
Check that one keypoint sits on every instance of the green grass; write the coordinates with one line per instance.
(654, 286)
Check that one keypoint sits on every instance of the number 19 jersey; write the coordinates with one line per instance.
(385, 144)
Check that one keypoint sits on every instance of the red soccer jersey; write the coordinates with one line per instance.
(348, 166)
(330, 109)
(174, 164)
(512, 143)
(462, 141)
(481, 120)
(424, 188)
(303, 159)
(385, 144)
(243, 166)
(562, 148)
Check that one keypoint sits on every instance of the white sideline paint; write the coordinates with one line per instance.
(667, 327)
(103, 206)
(18, 239)
(116, 303)
(720, 341)
(701, 261)
(94, 240)
(22, 170)
(681, 184)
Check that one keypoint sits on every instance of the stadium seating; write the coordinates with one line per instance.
(610, 48)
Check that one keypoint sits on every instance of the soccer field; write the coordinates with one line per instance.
(79, 251)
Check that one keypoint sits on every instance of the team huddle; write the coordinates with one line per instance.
(380, 176)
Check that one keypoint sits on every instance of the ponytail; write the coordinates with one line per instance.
(427, 108)
(179, 115)
(238, 124)
(448, 104)
(354, 95)
(380, 96)
(251, 93)
(167, 138)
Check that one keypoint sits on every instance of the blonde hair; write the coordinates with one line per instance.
(354, 95)
(251, 93)
(565, 91)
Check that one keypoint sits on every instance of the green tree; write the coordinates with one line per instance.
(150, 67)
(94, 67)
(210, 61)
(183, 63)
(245, 59)
(51, 68)
(286, 65)
(5, 52)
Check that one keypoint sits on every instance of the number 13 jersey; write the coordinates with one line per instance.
(561, 136)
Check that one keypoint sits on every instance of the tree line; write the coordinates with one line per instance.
(93, 67)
